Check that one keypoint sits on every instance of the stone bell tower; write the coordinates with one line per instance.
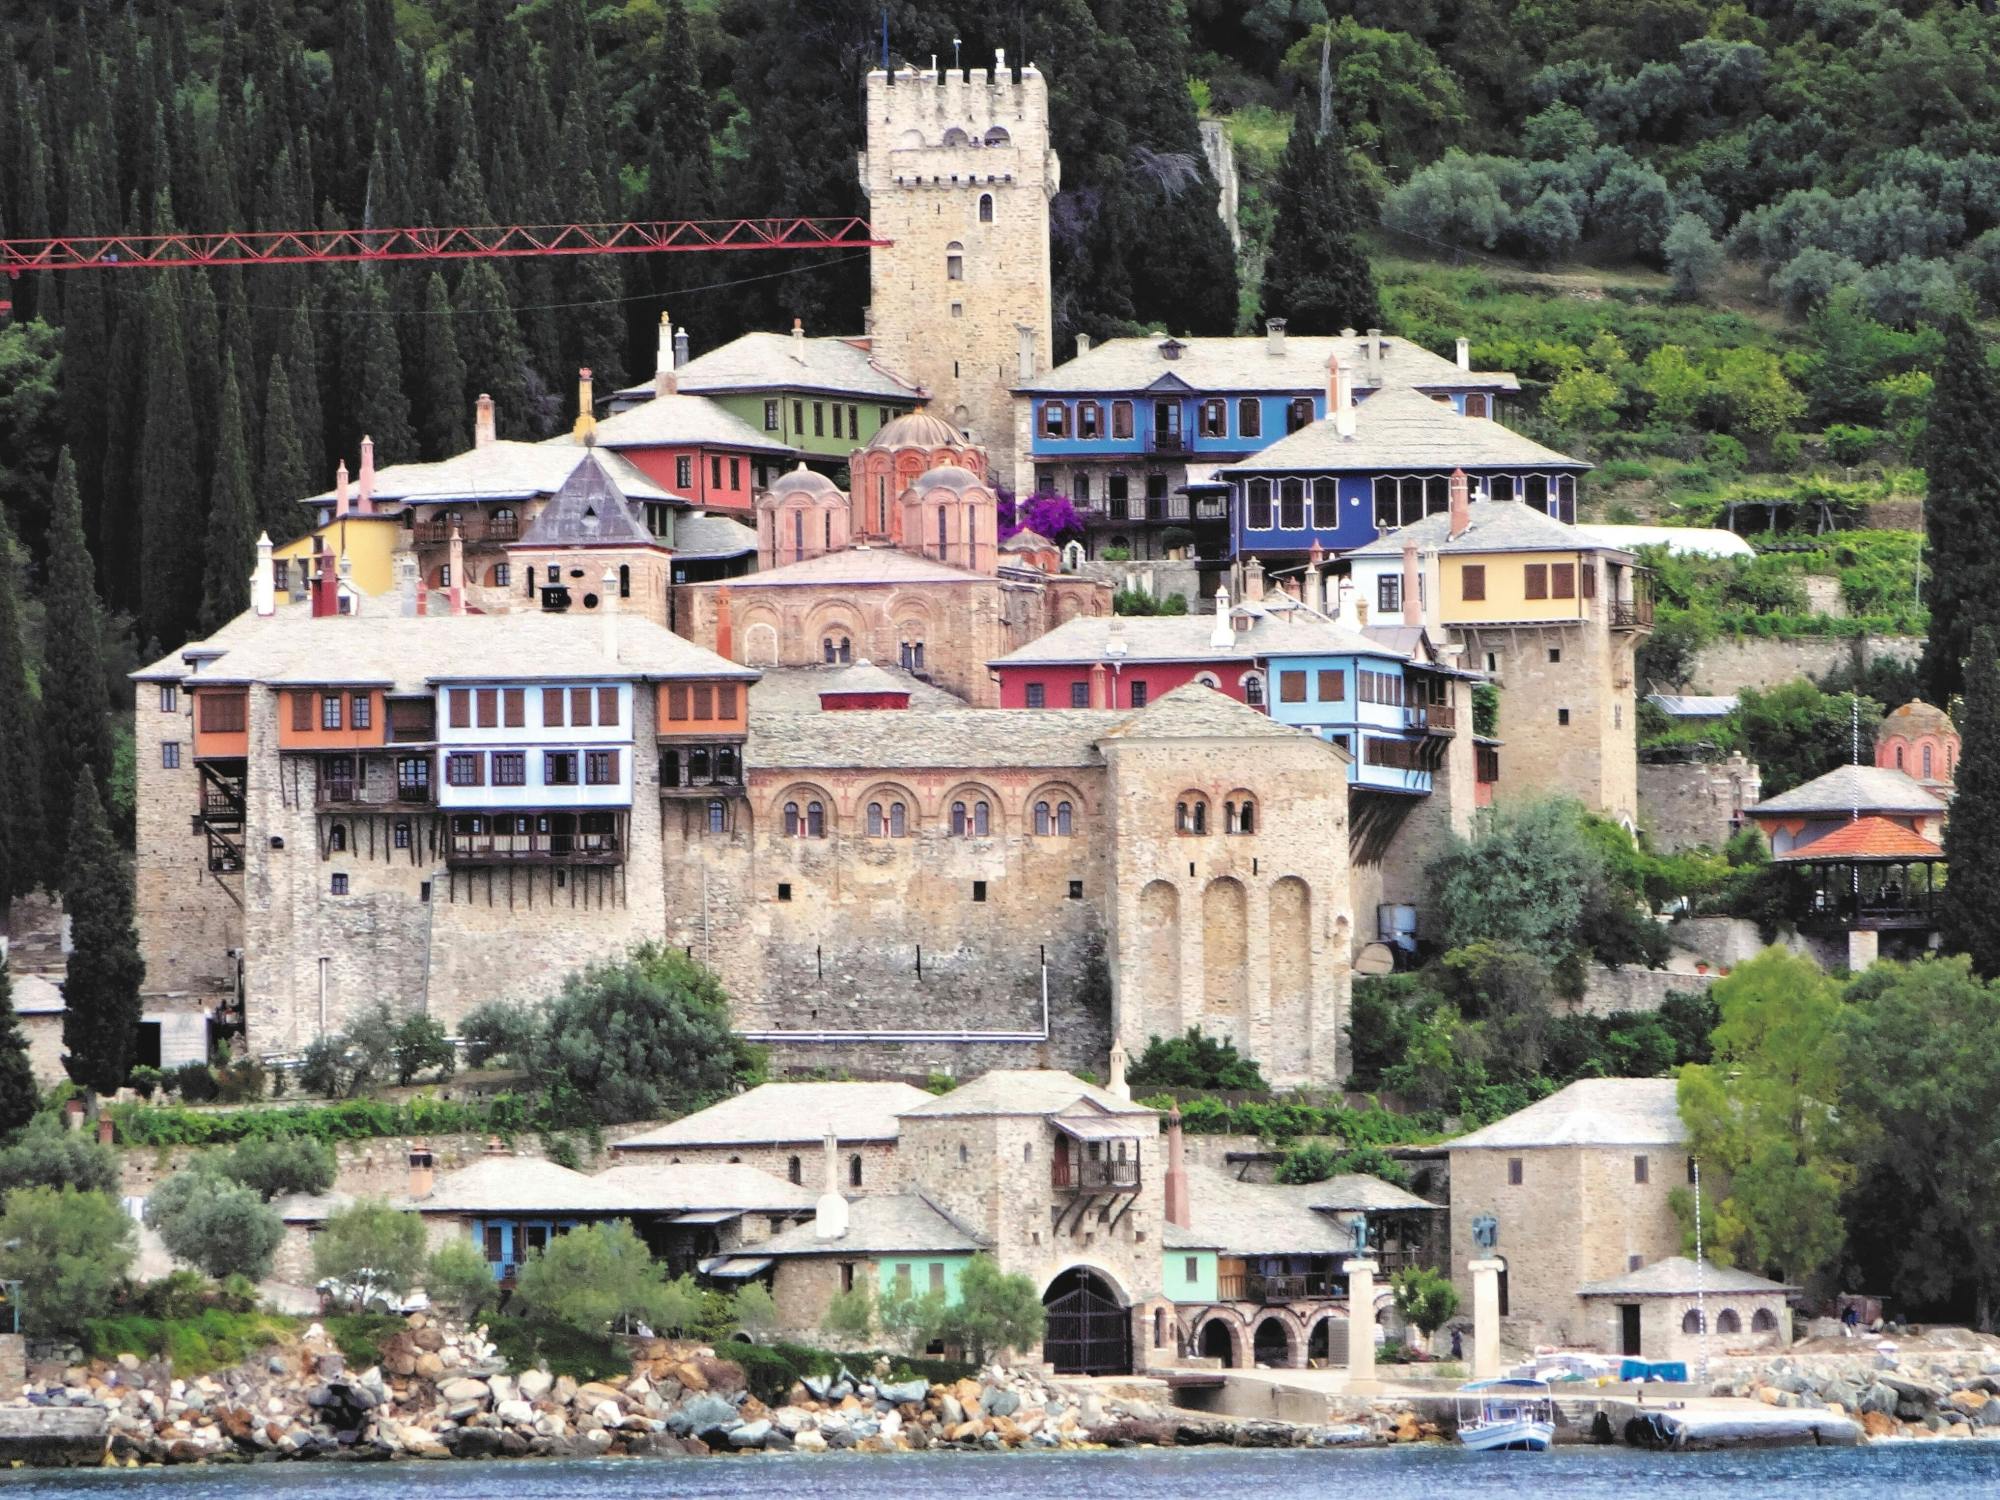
(959, 174)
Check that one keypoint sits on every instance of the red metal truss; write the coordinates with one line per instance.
(455, 242)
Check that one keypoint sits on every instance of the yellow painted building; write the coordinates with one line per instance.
(370, 542)
(1504, 588)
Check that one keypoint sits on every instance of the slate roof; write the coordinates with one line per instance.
(588, 511)
(1026, 1091)
(1869, 838)
(856, 565)
(921, 428)
(517, 1184)
(502, 470)
(1694, 706)
(691, 1187)
(1590, 1112)
(785, 1114)
(863, 677)
(1493, 526)
(311, 1208)
(1268, 1218)
(1154, 638)
(775, 361)
(1847, 789)
(407, 654)
(702, 534)
(969, 739)
(1676, 1276)
(1193, 711)
(884, 1224)
(796, 690)
(1403, 429)
(1246, 364)
(682, 419)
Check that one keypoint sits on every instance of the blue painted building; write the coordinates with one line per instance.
(1133, 430)
(1383, 463)
(1382, 695)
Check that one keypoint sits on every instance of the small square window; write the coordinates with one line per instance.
(1562, 716)
(1641, 1169)
(784, 891)
(1076, 890)
(1079, 695)
(424, 891)
(1555, 655)
(1036, 695)
(958, 309)
(170, 755)
(1492, 662)
(1634, 1262)
(340, 885)
(978, 890)
(1513, 1171)
(170, 698)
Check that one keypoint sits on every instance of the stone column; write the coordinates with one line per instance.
(1361, 1328)
(1485, 1317)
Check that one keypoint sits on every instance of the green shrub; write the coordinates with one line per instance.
(602, 1275)
(1847, 443)
(505, 1115)
(770, 1369)
(360, 1336)
(1625, 470)
(460, 1279)
(239, 1080)
(69, 1250)
(1195, 1061)
(146, 1081)
(422, 1046)
(211, 1339)
(566, 1350)
(282, 1166)
(195, 1082)
(373, 1246)
(215, 1223)
(46, 1154)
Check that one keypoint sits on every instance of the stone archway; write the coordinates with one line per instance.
(1272, 1342)
(1326, 1344)
(1089, 1331)
(1217, 1340)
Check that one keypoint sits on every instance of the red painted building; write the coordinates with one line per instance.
(693, 448)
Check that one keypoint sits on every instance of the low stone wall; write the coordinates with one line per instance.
(1163, 578)
(1728, 941)
(1729, 666)
(1609, 991)
(1695, 804)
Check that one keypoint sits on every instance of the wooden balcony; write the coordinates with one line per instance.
(1166, 442)
(1632, 614)
(472, 529)
(536, 839)
(1436, 718)
(1073, 1174)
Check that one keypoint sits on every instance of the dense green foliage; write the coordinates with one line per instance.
(20, 1097)
(371, 1245)
(69, 1250)
(279, 1167)
(1961, 453)
(48, 1154)
(459, 1279)
(1316, 276)
(214, 1222)
(1194, 1061)
(1315, 1161)
(599, 1278)
(1969, 914)
(770, 1369)
(992, 1310)
(1426, 1299)
(101, 992)
(349, 1120)
(213, 1338)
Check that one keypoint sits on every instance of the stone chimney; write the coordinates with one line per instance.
(1024, 352)
(340, 489)
(1177, 1178)
(1461, 504)
(1465, 354)
(1313, 585)
(664, 381)
(1082, 345)
(1274, 336)
(799, 343)
(680, 347)
(456, 592)
(1116, 1073)
(345, 568)
(406, 585)
(1100, 685)
(607, 612)
(830, 1212)
(1368, 349)
(364, 501)
(1224, 635)
(1380, 346)
(264, 582)
(1253, 581)
(725, 624)
(1413, 613)
(485, 433)
(585, 430)
(423, 1170)
(1340, 396)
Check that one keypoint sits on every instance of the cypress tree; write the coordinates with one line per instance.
(169, 514)
(76, 736)
(20, 1095)
(371, 368)
(440, 377)
(282, 480)
(21, 846)
(496, 356)
(232, 516)
(593, 329)
(1316, 276)
(1969, 911)
(101, 995)
(302, 367)
(1960, 454)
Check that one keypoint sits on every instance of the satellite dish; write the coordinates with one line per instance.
(1375, 958)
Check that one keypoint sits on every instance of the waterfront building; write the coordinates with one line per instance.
(779, 1127)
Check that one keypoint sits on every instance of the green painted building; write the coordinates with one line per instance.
(918, 1273)
(824, 397)
(1188, 1272)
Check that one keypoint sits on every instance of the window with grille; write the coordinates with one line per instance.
(464, 770)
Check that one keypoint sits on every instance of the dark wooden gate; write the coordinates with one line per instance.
(1088, 1332)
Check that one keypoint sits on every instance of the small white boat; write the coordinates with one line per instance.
(1514, 1415)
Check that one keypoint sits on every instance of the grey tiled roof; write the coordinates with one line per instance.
(785, 1114)
(1495, 526)
(796, 690)
(970, 739)
(1026, 1091)
(1152, 638)
(1399, 430)
(1590, 1112)
(1246, 364)
(502, 470)
(857, 565)
(863, 677)
(408, 653)
(883, 1224)
(773, 361)
(1193, 711)
(655, 1185)
(1677, 1276)
(587, 511)
(703, 534)
(682, 418)
(517, 1184)
(1847, 789)
(1267, 1218)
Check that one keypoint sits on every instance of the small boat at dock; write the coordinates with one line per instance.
(1513, 1415)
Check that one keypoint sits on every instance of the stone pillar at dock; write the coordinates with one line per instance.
(1485, 1317)
(1361, 1328)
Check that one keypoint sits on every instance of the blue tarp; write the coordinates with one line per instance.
(1675, 1370)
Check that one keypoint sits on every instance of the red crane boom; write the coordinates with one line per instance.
(293, 247)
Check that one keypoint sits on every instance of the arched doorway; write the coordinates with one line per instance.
(1088, 1330)
(1272, 1344)
(1326, 1345)
(1215, 1343)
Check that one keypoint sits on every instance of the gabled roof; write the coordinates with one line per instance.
(588, 511)
(1493, 526)
(682, 419)
(1026, 1091)
(1195, 711)
(1849, 789)
(856, 565)
(779, 362)
(1590, 1112)
(1159, 638)
(785, 1114)
(796, 690)
(863, 677)
(1269, 1218)
(1678, 1276)
(1866, 838)
(1403, 429)
(657, 1186)
(882, 1224)
(1682, 541)
(517, 1184)
(1247, 364)
(501, 470)
(702, 534)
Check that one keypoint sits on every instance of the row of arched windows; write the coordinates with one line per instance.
(1051, 817)
(1191, 815)
(1763, 1320)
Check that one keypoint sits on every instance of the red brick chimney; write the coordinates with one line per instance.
(1177, 1182)
(365, 502)
(485, 431)
(1461, 504)
(1100, 685)
(423, 1171)
(1413, 612)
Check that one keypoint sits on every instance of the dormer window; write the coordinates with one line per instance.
(1170, 349)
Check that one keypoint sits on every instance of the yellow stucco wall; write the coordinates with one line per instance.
(1506, 588)
(370, 540)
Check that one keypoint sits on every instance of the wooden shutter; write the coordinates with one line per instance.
(607, 705)
(579, 707)
(515, 704)
(725, 700)
(552, 708)
(489, 708)
(1472, 581)
(1331, 688)
(1536, 580)
(461, 708)
(704, 701)
(302, 711)
(1562, 580)
(677, 702)
(1588, 576)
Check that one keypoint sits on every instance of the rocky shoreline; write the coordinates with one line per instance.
(1894, 1389)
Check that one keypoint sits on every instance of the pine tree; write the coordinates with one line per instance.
(76, 736)
(440, 377)
(21, 846)
(282, 480)
(231, 548)
(20, 1095)
(1316, 276)
(1969, 911)
(169, 506)
(1960, 455)
(101, 995)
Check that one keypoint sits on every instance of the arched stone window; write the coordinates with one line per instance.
(1253, 689)
(986, 208)
(718, 817)
(792, 824)
(1044, 820)
(1240, 817)
(1727, 1321)
(1191, 814)
(1899, 757)
(698, 765)
(1691, 1321)
(954, 261)
(958, 821)
(793, 1170)
(1927, 762)
(624, 580)
(1763, 1321)
(997, 135)
(854, 1170)
(874, 820)
(1065, 820)
(815, 820)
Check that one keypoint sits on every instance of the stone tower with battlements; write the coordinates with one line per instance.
(959, 174)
